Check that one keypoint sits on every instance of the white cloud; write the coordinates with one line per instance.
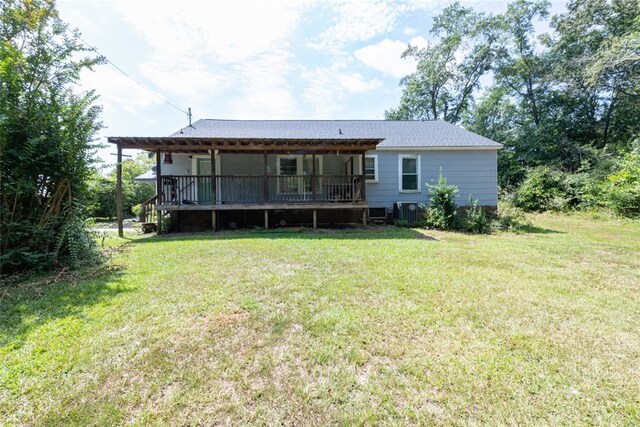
(358, 20)
(385, 56)
(223, 31)
(263, 90)
(409, 31)
(355, 83)
(197, 47)
(328, 87)
(115, 88)
(362, 20)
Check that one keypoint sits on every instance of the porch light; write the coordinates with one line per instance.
(167, 159)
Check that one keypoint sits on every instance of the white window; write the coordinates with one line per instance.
(409, 173)
(295, 173)
(371, 168)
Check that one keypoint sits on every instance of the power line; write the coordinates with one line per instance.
(151, 91)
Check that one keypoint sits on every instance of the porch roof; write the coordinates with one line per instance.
(190, 144)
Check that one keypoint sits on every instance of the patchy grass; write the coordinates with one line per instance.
(385, 326)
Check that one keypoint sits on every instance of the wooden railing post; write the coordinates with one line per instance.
(160, 198)
(119, 192)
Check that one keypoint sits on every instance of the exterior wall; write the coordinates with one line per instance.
(249, 164)
(474, 172)
(181, 165)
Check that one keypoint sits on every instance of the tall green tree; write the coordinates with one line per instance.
(448, 70)
(46, 133)
(596, 51)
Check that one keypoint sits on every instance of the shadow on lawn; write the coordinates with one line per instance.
(24, 308)
(532, 229)
(369, 233)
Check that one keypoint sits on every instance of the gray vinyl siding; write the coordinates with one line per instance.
(474, 172)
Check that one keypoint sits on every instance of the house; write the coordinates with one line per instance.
(219, 173)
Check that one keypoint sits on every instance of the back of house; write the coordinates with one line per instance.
(313, 171)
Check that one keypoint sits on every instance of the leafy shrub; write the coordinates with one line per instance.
(622, 188)
(77, 242)
(510, 218)
(165, 225)
(442, 208)
(544, 189)
(583, 190)
(402, 223)
(138, 211)
(476, 219)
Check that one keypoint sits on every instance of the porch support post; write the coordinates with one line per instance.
(213, 177)
(266, 219)
(119, 192)
(313, 184)
(160, 197)
(364, 217)
(363, 182)
(214, 220)
(266, 180)
(315, 219)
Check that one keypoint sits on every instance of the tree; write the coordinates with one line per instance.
(565, 101)
(449, 71)
(597, 52)
(102, 189)
(46, 134)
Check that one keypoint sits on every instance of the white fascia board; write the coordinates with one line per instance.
(399, 148)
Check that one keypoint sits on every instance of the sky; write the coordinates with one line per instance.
(269, 59)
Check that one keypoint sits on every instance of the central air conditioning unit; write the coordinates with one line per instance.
(407, 211)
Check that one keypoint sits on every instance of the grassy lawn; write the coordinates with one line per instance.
(386, 326)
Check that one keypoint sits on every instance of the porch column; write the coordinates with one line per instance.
(363, 180)
(266, 219)
(159, 195)
(313, 183)
(213, 190)
(213, 176)
(315, 219)
(119, 192)
(265, 181)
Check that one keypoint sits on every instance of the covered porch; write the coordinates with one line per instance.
(219, 174)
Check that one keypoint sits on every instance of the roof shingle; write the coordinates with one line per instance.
(400, 134)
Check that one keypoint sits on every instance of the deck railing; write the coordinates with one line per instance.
(245, 189)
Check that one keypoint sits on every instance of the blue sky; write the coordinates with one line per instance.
(249, 59)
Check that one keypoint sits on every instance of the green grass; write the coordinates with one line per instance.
(387, 326)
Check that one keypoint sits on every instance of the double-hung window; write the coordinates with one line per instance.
(409, 173)
(371, 168)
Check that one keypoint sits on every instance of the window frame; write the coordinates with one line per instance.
(299, 169)
(375, 168)
(401, 173)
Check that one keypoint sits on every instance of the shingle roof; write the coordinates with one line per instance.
(409, 134)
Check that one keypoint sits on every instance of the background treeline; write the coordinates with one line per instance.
(101, 202)
(565, 104)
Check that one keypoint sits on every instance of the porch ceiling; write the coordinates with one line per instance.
(174, 144)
